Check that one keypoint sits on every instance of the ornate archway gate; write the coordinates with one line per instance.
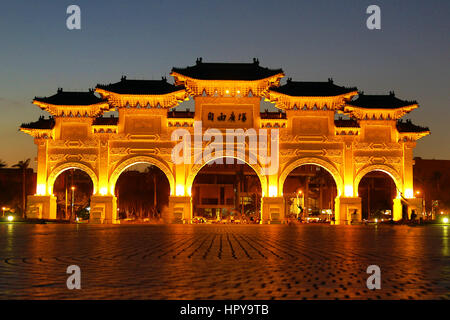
(227, 96)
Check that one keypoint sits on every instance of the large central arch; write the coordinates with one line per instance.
(197, 167)
(122, 166)
(313, 161)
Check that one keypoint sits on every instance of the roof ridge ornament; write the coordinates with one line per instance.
(256, 61)
(123, 78)
(198, 61)
(330, 80)
(59, 90)
(392, 93)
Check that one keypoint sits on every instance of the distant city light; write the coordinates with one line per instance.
(10, 218)
(445, 220)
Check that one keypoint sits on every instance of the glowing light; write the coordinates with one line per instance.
(238, 92)
(417, 192)
(376, 220)
(40, 189)
(273, 191)
(409, 193)
(180, 190)
(348, 191)
(10, 218)
(103, 191)
(445, 220)
(227, 91)
(72, 188)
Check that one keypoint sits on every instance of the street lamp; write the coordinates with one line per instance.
(298, 193)
(3, 208)
(418, 193)
(73, 194)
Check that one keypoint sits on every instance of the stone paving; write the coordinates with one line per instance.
(224, 261)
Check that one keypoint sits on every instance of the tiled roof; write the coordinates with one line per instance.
(408, 126)
(180, 114)
(385, 101)
(105, 121)
(42, 123)
(227, 71)
(144, 87)
(71, 98)
(273, 115)
(312, 89)
(346, 123)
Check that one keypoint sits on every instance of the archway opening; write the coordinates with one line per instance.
(226, 193)
(309, 192)
(73, 189)
(377, 190)
(142, 192)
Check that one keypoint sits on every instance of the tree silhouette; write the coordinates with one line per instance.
(23, 165)
(3, 164)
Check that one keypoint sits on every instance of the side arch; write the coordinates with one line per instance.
(122, 166)
(315, 161)
(197, 167)
(71, 165)
(379, 167)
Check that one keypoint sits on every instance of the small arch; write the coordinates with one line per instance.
(379, 167)
(122, 166)
(71, 165)
(315, 161)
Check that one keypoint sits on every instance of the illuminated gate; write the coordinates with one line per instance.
(371, 137)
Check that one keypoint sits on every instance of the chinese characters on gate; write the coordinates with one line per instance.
(223, 117)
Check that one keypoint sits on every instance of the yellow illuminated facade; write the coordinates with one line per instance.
(372, 138)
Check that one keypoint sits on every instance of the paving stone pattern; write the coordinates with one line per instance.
(224, 261)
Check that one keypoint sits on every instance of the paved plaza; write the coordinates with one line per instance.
(223, 261)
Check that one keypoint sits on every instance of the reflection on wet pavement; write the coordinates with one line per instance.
(223, 261)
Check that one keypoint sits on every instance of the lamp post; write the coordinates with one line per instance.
(298, 193)
(73, 194)
(3, 209)
(422, 202)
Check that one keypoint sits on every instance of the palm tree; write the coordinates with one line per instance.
(436, 180)
(23, 165)
(2, 164)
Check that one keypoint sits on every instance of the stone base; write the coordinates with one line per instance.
(347, 210)
(179, 210)
(41, 207)
(103, 210)
(272, 210)
(397, 212)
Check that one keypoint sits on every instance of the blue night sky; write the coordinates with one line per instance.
(310, 40)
